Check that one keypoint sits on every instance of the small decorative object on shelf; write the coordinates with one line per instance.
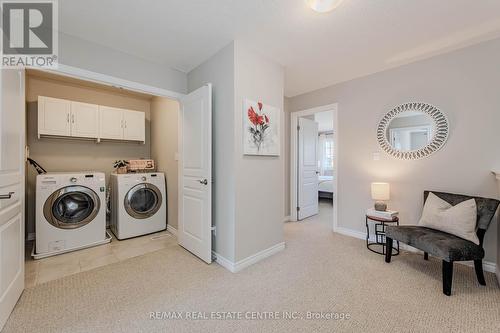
(121, 166)
(380, 220)
(381, 193)
(142, 165)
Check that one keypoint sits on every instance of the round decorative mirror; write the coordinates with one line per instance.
(413, 130)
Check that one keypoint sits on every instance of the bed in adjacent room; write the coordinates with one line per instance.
(325, 187)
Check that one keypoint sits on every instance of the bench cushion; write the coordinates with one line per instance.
(436, 243)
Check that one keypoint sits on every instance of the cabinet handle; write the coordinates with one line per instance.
(67, 117)
(73, 118)
(6, 196)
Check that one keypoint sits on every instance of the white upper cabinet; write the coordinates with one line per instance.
(111, 123)
(121, 124)
(54, 116)
(59, 117)
(134, 125)
(84, 120)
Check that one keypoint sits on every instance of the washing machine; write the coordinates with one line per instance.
(70, 212)
(138, 204)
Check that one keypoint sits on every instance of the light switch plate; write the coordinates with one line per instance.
(376, 156)
(176, 156)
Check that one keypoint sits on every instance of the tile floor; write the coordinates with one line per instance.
(52, 268)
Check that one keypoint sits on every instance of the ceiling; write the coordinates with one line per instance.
(360, 37)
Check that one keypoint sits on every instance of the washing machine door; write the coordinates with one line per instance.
(71, 207)
(143, 200)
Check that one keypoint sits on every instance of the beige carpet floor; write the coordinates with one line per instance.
(318, 271)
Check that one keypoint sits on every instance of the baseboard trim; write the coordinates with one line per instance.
(488, 266)
(350, 233)
(235, 267)
(172, 230)
(224, 262)
(287, 218)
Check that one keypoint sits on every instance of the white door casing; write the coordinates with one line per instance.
(12, 143)
(307, 168)
(195, 173)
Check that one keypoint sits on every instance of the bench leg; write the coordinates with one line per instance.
(388, 247)
(478, 266)
(426, 256)
(447, 277)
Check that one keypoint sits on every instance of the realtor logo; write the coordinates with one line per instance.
(29, 33)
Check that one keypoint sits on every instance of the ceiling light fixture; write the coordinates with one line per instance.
(323, 6)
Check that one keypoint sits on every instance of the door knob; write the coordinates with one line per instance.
(6, 196)
(204, 181)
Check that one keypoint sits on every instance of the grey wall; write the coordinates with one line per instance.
(248, 218)
(219, 70)
(464, 84)
(76, 52)
(259, 180)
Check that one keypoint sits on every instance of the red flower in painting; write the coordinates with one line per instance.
(260, 122)
(254, 117)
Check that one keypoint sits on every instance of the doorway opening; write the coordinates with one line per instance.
(314, 171)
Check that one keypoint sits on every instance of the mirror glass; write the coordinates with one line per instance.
(410, 131)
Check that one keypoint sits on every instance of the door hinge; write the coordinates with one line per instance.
(298, 209)
(214, 230)
(298, 127)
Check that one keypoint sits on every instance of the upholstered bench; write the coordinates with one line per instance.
(448, 247)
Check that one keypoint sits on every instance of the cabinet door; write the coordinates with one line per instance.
(84, 120)
(110, 123)
(53, 116)
(134, 125)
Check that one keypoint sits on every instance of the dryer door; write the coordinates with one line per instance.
(71, 207)
(143, 201)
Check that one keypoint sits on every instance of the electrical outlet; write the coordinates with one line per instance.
(376, 156)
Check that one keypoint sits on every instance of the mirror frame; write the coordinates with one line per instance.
(438, 140)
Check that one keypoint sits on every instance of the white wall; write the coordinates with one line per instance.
(219, 70)
(464, 84)
(76, 52)
(164, 146)
(259, 180)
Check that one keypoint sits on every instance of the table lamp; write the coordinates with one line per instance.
(380, 193)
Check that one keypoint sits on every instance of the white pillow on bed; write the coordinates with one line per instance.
(459, 220)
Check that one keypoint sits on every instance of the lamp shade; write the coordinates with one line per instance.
(381, 191)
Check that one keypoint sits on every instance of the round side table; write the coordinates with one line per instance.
(380, 224)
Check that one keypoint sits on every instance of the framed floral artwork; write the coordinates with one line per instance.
(261, 129)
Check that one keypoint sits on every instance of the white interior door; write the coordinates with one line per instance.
(12, 126)
(308, 168)
(195, 173)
